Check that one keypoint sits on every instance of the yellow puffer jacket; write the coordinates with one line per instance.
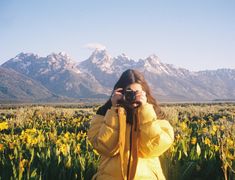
(110, 136)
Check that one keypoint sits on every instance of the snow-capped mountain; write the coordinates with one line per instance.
(99, 64)
(58, 73)
(166, 80)
(96, 76)
(33, 65)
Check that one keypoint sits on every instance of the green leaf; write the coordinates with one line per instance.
(34, 173)
(184, 148)
(180, 154)
(198, 150)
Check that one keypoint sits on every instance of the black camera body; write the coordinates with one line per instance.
(129, 97)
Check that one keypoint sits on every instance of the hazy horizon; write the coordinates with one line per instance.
(195, 35)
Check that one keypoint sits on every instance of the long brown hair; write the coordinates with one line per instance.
(128, 77)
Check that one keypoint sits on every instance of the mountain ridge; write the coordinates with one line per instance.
(96, 76)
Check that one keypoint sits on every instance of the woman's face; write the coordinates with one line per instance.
(136, 87)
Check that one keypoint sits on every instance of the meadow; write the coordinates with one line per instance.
(50, 142)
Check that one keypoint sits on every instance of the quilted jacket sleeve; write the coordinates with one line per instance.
(156, 136)
(104, 133)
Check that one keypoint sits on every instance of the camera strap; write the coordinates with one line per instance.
(132, 165)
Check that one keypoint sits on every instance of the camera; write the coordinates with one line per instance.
(129, 97)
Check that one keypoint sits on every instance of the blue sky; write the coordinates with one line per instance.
(193, 34)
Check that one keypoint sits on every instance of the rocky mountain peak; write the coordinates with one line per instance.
(64, 54)
(61, 56)
(24, 56)
(153, 60)
(100, 55)
(153, 64)
(124, 57)
(60, 61)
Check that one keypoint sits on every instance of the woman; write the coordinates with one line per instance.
(128, 132)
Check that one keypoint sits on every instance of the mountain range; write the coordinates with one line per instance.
(57, 77)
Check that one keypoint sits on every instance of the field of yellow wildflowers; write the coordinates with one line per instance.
(44, 142)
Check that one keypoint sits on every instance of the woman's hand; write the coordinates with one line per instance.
(116, 96)
(141, 97)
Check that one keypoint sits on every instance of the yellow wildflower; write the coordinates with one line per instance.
(230, 156)
(1, 147)
(78, 136)
(58, 142)
(204, 130)
(11, 145)
(222, 127)
(229, 141)
(193, 140)
(23, 164)
(207, 141)
(31, 131)
(41, 137)
(177, 136)
(78, 149)
(183, 125)
(212, 133)
(217, 148)
(52, 136)
(214, 128)
(3, 125)
(34, 141)
(64, 148)
(28, 139)
(67, 135)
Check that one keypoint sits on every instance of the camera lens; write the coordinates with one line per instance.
(130, 95)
